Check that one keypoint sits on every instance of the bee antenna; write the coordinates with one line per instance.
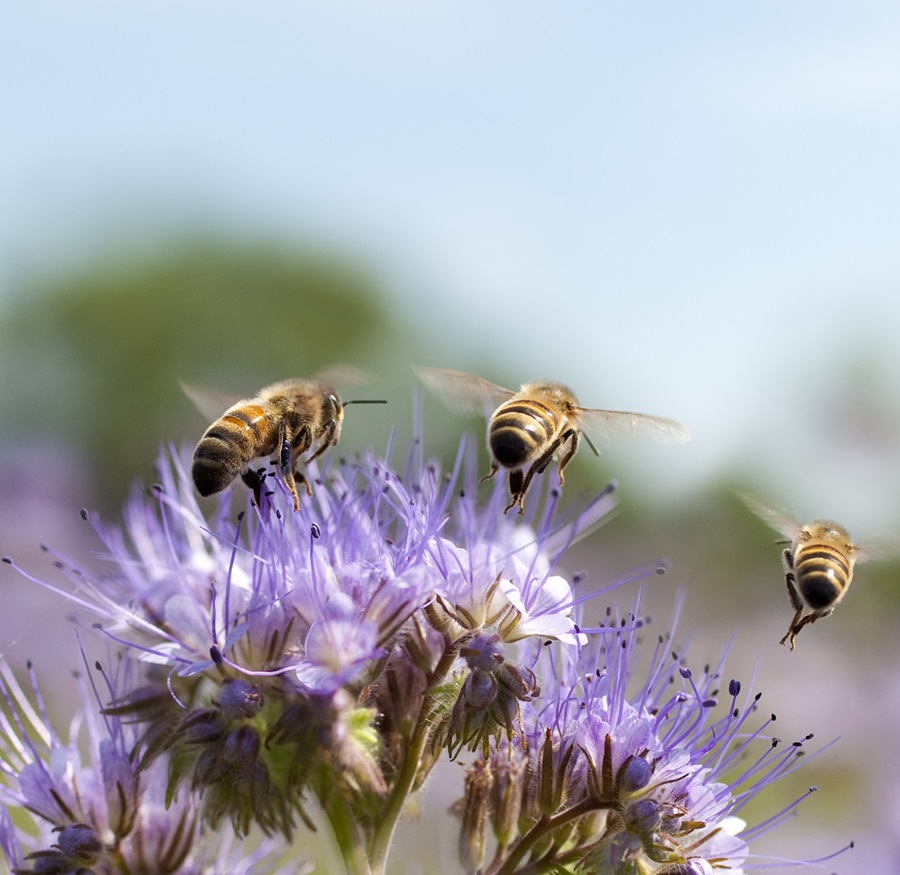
(365, 401)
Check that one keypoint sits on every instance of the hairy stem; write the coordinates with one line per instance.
(409, 771)
(347, 833)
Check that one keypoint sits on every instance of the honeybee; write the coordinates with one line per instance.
(528, 429)
(286, 420)
(818, 564)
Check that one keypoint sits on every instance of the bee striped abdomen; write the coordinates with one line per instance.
(228, 445)
(519, 430)
(822, 572)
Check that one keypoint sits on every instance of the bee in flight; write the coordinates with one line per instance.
(528, 429)
(285, 420)
(818, 564)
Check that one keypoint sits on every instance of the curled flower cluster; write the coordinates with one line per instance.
(95, 808)
(612, 780)
(278, 667)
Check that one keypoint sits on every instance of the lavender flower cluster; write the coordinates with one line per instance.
(272, 672)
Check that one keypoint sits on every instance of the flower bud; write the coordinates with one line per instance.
(240, 751)
(80, 842)
(634, 775)
(642, 816)
(238, 698)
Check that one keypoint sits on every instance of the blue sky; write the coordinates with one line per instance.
(684, 209)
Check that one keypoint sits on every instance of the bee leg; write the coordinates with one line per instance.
(254, 480)
(494, 470)
(286, 459)
(329, 439)
(572, 437)
(809, 619)
(539, 466)
(796, 624)
(790, 580)
(517, 487)
(791, 632)
(292, 487)
(300, 477)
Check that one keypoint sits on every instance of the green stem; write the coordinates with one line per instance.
(383, 835)
(347, 834)
(542, 828)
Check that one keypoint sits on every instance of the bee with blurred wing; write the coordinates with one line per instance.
(286, 419)
(541, 422)
(818, 563)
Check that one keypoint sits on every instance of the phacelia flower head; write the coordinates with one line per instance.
(93, 810)
(264, 633)
(335, 652)
(629, 774)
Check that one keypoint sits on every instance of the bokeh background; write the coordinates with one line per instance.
(683, 209)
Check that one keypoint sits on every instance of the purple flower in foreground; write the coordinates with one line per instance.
(376, 573)
(92, 808)
(337, 652)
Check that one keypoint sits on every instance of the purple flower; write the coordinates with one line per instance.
(338, 651)
(94, 809)
(630, 774)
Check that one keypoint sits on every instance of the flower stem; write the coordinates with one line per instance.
(347, 834)
(541, 829)
(408, 772)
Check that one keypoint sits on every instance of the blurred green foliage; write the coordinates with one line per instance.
(95, 360)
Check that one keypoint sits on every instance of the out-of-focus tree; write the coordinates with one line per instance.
(94, 361)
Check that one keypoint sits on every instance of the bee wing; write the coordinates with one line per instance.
(609, 424)
(212, 403)
(777, 519)
(342, 377)
(463, 393)
(881, 548)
